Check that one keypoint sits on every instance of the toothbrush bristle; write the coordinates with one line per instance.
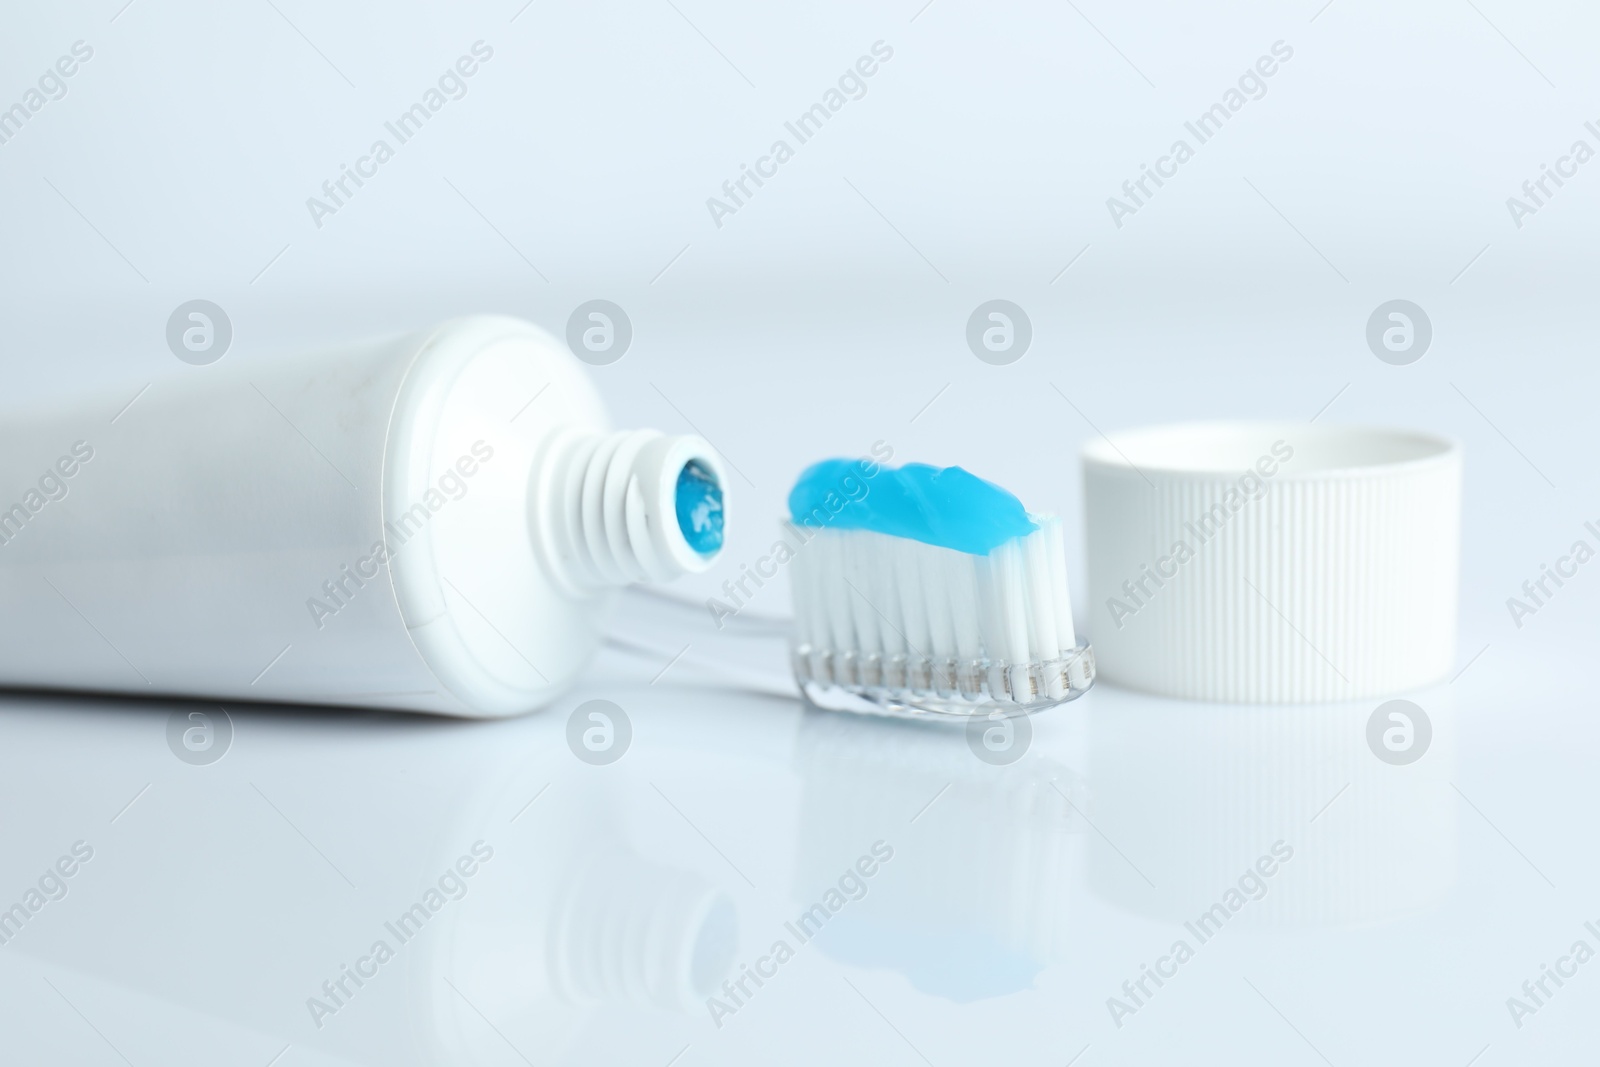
(898, 621)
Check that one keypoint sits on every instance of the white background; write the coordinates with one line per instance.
(827, 314)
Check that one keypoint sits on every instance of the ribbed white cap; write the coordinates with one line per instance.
(1273, 563)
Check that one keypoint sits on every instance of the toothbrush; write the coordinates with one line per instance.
(929, 591)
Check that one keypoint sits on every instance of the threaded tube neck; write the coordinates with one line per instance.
(611, 509)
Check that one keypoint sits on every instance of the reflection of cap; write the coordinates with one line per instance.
(1272, 563)
(1197, 797)
(973, 903)
(623, 928)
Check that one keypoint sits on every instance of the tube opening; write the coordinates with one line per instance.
(699, 508)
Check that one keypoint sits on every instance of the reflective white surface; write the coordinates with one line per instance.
(1017, 901)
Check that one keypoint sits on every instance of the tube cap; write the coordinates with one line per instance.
(1273, 563)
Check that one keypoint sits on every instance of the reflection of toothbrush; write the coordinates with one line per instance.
(929, 590)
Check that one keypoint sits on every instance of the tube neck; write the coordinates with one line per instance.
(610, 509)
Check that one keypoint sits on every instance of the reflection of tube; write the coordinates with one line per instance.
(612, 928)
(686, 934)
(1195, 796)
(241, 919)
(974, 902)
(434, 522)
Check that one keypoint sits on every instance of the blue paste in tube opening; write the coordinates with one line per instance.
(699, 507)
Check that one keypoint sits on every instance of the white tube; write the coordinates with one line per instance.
(433, 523)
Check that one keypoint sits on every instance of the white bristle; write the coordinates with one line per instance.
(1066, 635)
(856, 570)
(904, 567)
(882, 613)
(960, 571)
(883, 588)
(832, 591)
(935, 585)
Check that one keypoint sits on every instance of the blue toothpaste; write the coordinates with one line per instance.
(944, 506)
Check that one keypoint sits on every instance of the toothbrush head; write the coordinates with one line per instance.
(929, 592)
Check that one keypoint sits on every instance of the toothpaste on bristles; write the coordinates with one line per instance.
(929, 590)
